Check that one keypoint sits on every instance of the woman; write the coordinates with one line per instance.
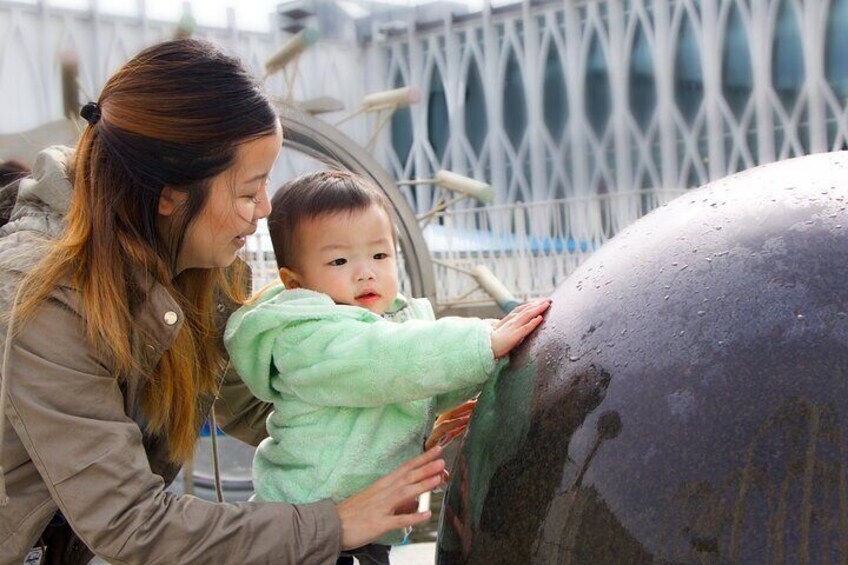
(118, 267)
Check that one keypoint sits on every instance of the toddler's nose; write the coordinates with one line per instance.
(365, 275)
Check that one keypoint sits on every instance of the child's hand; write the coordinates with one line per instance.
(450, 424)
(511, 330)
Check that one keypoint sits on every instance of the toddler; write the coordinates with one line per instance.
(356, 372)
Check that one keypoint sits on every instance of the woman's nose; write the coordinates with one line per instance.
(263, 207)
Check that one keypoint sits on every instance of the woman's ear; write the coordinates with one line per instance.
(290, 279)
(170, 200)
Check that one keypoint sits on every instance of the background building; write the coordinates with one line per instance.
(582, 114)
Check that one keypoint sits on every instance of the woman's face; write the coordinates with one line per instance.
(237, 200)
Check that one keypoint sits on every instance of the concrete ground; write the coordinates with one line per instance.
(421, 553)
(414, 554)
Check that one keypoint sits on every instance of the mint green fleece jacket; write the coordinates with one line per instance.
(354, 393)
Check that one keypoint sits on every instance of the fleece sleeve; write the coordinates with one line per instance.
(338, 356)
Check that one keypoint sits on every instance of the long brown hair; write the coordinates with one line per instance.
(173, 115)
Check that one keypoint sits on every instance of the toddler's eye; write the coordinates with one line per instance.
(338, 262)
(379, 256)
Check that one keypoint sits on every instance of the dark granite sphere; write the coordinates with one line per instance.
(685, 400)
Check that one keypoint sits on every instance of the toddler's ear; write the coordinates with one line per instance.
(289, 278)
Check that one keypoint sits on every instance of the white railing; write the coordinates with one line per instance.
(530, 247)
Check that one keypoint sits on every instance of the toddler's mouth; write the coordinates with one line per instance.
(368, 297)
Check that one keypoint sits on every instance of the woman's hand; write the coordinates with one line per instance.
(387, 504)
(510, 331)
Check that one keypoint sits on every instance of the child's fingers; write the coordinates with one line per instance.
(458, 412)
(521, 307)
(526, 316)
(465, 407)
(528, 328)
(446, 421)
(524, 311)
(531, 305)
(538, 306)
(539, 302)
(448, 438)
(444, 429)
(533, 323)
(434, 439)
(451, 425)
(542, 304)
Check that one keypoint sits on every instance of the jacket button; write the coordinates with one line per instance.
(170, 318)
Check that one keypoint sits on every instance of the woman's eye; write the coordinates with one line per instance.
(379, 256)
(254, 198)
(338, 262)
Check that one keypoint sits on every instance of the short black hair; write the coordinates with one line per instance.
(316, 194)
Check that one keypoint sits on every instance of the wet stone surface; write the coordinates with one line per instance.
(685, 400)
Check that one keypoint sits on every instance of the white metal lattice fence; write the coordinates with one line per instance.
(560, 99)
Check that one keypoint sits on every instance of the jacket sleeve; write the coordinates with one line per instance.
(341, 360)
(239, 413)
(68, 411)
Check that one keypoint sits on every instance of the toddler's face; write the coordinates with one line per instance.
(349, 256)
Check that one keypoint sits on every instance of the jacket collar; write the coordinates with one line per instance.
(159, 320)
